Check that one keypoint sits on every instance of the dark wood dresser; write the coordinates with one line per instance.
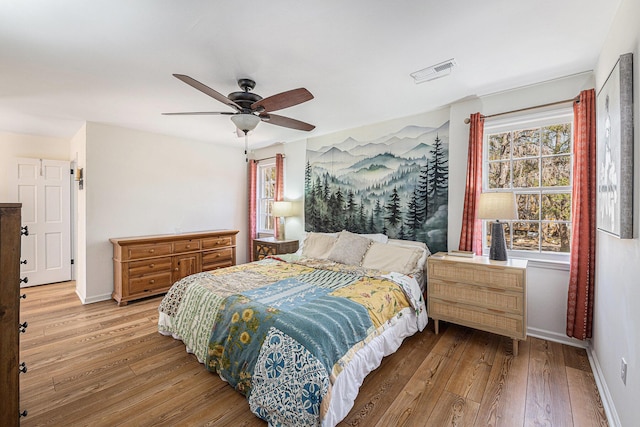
(10, 327)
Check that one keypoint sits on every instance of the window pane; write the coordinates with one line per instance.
(526, 173)
(528, 206)
(499, 175)
(556, 207)
(526, 236)
(556, 237)
(526, 143)
(556, 171)
(500, 146)
(556, 139)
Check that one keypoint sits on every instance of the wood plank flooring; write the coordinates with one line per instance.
(104, 365)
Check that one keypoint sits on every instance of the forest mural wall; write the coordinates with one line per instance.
(396, 183)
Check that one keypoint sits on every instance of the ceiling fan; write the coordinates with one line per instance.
(250, 107)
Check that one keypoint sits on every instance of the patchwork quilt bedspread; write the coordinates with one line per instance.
(282, 332)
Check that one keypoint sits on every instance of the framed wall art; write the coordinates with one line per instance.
(614, 112)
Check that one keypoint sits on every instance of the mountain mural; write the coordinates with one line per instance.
(397, 184)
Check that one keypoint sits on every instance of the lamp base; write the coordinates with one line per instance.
(280, 235)
(498, 250)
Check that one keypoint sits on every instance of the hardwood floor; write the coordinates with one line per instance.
(103, 365)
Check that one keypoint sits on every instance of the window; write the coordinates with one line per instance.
(533, 158)
(265, 193)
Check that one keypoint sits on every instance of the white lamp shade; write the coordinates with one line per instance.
(245, 122)
(497, 206)
(281, 209)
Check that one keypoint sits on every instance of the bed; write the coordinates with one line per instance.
(298, 333)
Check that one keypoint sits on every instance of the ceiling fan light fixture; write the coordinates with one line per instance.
(245, 122)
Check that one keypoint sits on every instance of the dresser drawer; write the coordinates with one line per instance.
(146, 251)
(494, 298)
(218, 242)
(150, 283)
(495, 321)
(149, 266)
(217, 259)
(186, 246)
(492, 276)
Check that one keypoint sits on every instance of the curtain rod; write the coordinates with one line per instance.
(267, 158)
(576, 99)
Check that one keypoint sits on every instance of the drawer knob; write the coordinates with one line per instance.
(25, 280)
(24, 230)
(151, 251)
(152, 281)
(22, 368)
(218, 255)
(23, 327)
(151, 265)
(23, 413)
(188, 246)
(175, 269)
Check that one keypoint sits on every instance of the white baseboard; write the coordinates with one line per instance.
(556, 337)
(601, 383)
(91, 300)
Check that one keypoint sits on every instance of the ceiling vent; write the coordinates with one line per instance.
(433, 72)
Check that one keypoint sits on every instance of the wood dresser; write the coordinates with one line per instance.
(479, 293)
(265, 246)
(10, 327)
(149, 265)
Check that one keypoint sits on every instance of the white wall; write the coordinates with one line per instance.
(78, 154)
(616, 329)
(16, 145)
(139, 183)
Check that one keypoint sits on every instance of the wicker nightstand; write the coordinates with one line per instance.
(479, 293)
(271, 246)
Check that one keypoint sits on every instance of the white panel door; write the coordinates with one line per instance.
(44, 189)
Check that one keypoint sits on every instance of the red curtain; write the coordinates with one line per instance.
(279, 190)
(583, 212)
(252, 176)
(471, 234)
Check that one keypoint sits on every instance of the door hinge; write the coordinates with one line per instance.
(72, 262)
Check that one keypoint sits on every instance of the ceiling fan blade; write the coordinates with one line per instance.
(286, 122)
(201, 113)
(208, 91)
(282, 100)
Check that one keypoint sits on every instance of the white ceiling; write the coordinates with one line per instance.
(65, 62)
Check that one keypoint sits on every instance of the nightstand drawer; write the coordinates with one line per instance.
(486, 319)
(491, 276)
(494, 298)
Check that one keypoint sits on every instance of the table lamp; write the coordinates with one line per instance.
(281, 210)
(497, 206)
